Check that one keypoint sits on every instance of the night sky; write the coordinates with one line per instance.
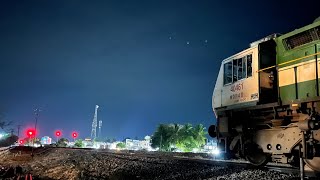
(143, 62)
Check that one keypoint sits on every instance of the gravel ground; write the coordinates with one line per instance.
(84, 164)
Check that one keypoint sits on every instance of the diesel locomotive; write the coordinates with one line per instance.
(267, 100)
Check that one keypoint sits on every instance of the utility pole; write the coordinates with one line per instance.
(36, 113)
(19, 130)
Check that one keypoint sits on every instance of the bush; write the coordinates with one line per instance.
(79, 143)
(121, 145)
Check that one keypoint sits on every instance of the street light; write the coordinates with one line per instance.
(31, 133)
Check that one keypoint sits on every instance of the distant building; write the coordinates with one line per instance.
(46, 140)
(146, 143)
(112, 145)
(70, 144)
(87, 143)
(133, 144)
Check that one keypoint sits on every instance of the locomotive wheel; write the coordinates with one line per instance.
(254, 154)
(314, 163)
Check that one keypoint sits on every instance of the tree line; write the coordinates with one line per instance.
(173, 137)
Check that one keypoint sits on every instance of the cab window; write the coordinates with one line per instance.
(227, 76)
(249, 65)
(237, 69)
(244, 67)
(240, 69)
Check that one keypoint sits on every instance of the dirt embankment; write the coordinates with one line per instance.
(54, 163)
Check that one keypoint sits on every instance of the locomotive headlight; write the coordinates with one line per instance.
(215, 151)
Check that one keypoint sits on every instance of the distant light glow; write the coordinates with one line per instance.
(178, 150)
(151, 149)
(195, 150)
(36, 145)
(31, 132)
(58, 133)
(74, 134)
(113, 146)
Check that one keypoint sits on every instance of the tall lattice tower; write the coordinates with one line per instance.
(94, 124)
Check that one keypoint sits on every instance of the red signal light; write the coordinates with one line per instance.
(58, 133)
(21, 141)
(31, 133)
(74, 134)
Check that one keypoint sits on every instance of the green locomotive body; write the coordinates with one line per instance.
(267, 100)
(297, 58)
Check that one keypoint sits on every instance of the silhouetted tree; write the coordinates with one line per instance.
(175, 133)
(162, 138)
(187, 142)
(9, 140)
(185, 138)
(62, 142)
(3, 122)
(199, 135)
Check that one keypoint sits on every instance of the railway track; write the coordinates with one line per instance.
(162, 158)
(282, 168)
(227, 163)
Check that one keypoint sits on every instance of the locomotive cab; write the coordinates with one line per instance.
(241, 83)
(246, 80)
